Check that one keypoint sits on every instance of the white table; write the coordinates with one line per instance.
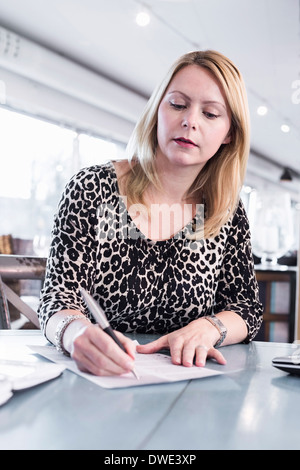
(252, 406)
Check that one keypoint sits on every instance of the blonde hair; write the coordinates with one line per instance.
(221, 178)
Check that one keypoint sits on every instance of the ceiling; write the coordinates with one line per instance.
(261, 36)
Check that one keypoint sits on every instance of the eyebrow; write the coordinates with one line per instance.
(204, 102)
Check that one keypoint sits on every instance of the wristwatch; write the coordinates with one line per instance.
(220, 327)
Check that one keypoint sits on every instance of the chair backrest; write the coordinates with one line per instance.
(4, 311)
(18, 267)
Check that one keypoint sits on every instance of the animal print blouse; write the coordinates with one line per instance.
(143, 286)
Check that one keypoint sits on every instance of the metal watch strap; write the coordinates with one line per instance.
(220, 327)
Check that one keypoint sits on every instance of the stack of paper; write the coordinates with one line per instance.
(5, 390)
(18, 375)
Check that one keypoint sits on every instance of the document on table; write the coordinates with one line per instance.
(151, 369)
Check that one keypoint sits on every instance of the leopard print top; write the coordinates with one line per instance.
(143, 286)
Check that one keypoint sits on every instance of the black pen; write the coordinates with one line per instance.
(101, 320)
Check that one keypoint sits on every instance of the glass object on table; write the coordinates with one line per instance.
(41, 245)
(271, 224)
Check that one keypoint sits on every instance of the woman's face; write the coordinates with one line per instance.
(193, 119)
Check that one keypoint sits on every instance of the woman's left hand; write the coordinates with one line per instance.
(191, 344)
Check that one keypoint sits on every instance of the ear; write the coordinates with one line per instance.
(227, 139)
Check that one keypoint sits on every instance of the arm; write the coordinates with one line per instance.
(91, 348)
(72, 264)
(237, 285)
(236, 305)
(72, 259)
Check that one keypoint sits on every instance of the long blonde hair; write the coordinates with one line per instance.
(221, 178)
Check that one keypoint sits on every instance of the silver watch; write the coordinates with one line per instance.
(214, 320)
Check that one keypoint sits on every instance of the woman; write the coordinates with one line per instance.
(132, 232)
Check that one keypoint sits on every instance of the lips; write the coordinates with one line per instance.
(182, 142)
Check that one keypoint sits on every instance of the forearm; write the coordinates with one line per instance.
(72, 329)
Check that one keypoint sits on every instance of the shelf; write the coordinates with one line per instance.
(277, 288)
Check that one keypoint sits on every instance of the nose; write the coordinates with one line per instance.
(190, 120)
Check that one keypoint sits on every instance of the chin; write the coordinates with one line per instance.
(188, 161)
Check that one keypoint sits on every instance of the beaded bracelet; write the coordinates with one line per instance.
(61, 327)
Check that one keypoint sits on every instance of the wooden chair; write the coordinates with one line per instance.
(14, 267)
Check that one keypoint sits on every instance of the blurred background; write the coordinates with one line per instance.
(75, 76)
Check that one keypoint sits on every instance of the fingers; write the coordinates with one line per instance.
(190, 354)
(183, 351)
(161, 343)
(95, 352)
(153, 346)
(129, 345)
(202, 353)
(187, 354)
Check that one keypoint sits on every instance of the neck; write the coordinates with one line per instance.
(175, 182)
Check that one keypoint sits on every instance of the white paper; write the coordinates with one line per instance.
(151, 369)
(18, 375)
(5, 390)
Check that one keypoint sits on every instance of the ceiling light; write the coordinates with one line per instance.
(262, 110)
(142, 18)
(285, 128)
(286, 175)
(247, 189)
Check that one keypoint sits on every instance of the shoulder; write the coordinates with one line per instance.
(95, 173)
(109, 172)
(92, 180)
(240, 215)
(90, 186)
(239, 212)
(239, 224)
(236, 229)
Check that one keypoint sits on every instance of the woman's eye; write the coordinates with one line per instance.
(177, 106)
(210, 115)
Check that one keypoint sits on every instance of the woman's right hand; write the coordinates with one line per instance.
(94, 351)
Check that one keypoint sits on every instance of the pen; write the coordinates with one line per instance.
(101, 320)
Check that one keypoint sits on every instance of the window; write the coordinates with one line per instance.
(37, 160)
